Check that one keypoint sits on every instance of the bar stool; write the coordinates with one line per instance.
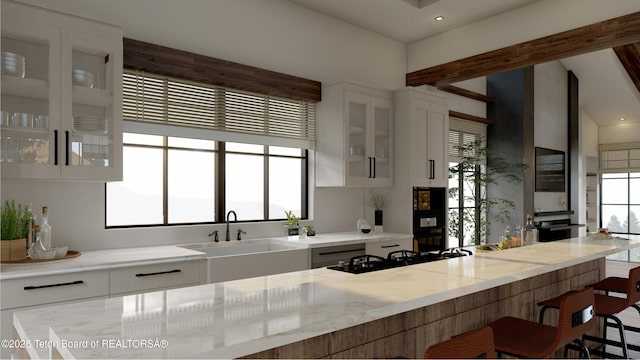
(473, 344)
(524, 338)
(629, 286)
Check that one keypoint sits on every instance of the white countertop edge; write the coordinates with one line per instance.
(105, 266)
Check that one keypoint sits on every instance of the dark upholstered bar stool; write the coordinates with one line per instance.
(524, 338)
(473, 344)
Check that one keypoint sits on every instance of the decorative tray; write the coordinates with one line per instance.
(70, 254)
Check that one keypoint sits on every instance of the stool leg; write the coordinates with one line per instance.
(623, 341)
(583, 349)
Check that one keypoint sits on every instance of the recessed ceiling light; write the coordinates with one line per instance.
(622, 118)
(438, 18)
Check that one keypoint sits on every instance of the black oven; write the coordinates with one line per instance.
(429, 218)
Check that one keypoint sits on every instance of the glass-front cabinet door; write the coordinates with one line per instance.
(30, 100)
(61, 96)
(381, 150)
(92, 69)
(358, 114)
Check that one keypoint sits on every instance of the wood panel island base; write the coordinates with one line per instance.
(408, 334)
(322, 313)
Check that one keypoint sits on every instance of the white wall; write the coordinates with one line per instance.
(619, 133)
(271, 34)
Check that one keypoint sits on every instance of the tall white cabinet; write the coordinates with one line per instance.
(61, 96)
(421, 149)
(354, 146)
(425, 116)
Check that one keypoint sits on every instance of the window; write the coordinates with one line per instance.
(620, 204)
(170, 180)
(620, 190)
(192, 152)
(467, 216)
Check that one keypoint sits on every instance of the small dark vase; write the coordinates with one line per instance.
(378, 217)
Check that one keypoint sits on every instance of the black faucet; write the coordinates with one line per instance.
(215, 235)
(235, 218)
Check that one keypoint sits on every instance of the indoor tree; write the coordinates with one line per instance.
(470, 191)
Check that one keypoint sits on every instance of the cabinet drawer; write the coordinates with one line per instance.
(53, 288)
(382, 248)
(330, 255)
(155, 276)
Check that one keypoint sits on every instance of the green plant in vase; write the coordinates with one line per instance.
(292, 227)
(15, 222)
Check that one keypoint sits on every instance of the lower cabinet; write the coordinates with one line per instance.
(38, 291)
(382, 248)
(138, 279)
(330, 255)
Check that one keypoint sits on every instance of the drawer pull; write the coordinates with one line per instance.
(77, 282)
(389, 246)
(340, 252)
(159, 273)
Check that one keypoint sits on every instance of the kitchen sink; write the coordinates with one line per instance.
(239, 248)
(244, 259)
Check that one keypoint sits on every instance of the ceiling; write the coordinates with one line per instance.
(606, 91)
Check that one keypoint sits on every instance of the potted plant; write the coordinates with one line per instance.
(309, 230)
(378, 201)
(292, 227)
(14, 226)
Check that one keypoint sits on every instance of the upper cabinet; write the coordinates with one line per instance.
(422, 118)
(61, 96)
(354, 144)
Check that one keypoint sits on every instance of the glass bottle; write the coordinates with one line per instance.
(529, 232)
(45, 230)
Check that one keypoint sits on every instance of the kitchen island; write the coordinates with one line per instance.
(319, 312)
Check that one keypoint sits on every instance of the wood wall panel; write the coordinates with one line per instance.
(143, 56)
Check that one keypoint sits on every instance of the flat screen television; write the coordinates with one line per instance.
(550, 170)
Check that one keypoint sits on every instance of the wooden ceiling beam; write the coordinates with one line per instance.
(602, 35)
(629, 56)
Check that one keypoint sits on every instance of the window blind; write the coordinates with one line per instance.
(622, 157)
(463, 133)
(175, 103)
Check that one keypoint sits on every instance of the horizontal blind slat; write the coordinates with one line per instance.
(149, 98)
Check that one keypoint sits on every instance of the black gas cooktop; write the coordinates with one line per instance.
(368, 263)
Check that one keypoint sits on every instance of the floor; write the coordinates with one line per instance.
(629, 316)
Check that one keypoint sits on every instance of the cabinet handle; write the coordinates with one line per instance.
(77, 282)
(340, 251)
(67, 145)
(389, 246)
(369, 167)
(374, 168)
(432, 169)
(159, 273)
(55, 147)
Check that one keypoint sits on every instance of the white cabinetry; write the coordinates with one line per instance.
(62, 116)
(383, 248)
(330, 255)
(354, 145)
(423, 117)
(592, 202)
(137, 279)
(36, 291)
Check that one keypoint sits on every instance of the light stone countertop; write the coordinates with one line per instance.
(236, 318)
(114, 258)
